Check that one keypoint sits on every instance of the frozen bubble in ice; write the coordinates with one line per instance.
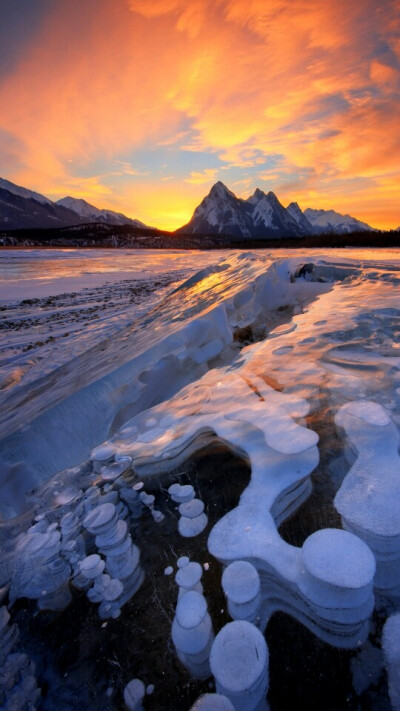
(241, 582)
(147, 499)
(103, 453)
(169, 570)
(190, 527)
(191, 610)
(138, 486)
(133, 694)
(212, 702)
(239, 658)
(112, 471)
(99, 517)
(192, 509)
(183, 561)
(158, 516)
(150, 689)
(338, 558)
(181, 494)
(174, 489)
(91, 566)
(189, 575)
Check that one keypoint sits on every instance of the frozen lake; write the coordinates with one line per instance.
(264, 384)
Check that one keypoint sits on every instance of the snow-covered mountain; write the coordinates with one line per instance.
(21, 208)
(299, 217)
(23, 192)
(24, 209)
(269, 215)
(221, 212)
(90, 213)
(262, 215)
(332, 221)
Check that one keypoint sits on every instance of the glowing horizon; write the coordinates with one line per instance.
(141, 107)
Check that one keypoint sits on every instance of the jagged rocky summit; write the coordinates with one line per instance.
(262, 215)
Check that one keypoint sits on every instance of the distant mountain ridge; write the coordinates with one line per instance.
(262, 215)
(220, 213)
(332, 221)
(90, 213)
(21, 208)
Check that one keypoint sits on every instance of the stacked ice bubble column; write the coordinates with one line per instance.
(40, 572)
(369, 497)
(239, 664)
(212, 702)
(192, 633)
(101, 588)
(115, 543)
(72, 542)
(391, 649)
(188, 576)
(131, 497)
(148, 501)
(192, 520)
(241, 585)
(327, 584)
(18, 688)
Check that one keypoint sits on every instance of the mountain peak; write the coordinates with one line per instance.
(219, 189)
(258, 194)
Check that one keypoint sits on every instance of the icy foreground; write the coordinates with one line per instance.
(292, 363)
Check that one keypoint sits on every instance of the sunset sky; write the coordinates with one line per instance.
(141, 105)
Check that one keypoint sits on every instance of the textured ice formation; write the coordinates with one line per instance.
(255, 419)
(369, 497)
(18, 687)
(192, 633)
(40, 572)
(391, 649)
(342, 346)
(239, 664)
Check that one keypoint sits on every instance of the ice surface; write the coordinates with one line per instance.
(321, 338)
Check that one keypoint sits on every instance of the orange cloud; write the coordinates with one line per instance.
(315, 83)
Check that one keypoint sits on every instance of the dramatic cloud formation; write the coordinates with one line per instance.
(140, 106)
